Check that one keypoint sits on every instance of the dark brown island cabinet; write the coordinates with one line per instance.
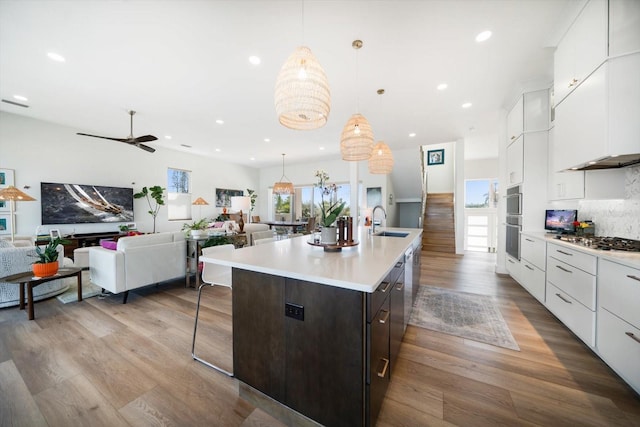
(325, 352)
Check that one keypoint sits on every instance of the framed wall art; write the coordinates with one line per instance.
(6, 178)
(435, 157)
(374, 196)
(223, 197)
(5, 224)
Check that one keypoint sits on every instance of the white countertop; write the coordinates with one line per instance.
(360, 268)
(630, 259)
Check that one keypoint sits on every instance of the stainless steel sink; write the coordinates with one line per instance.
(391, 234)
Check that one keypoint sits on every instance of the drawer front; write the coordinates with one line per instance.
(513, 267)
(574, 315)
(575, 282)
(619, 290)
(618, 348)
(533, 280)
(584, 262)
(534, 251)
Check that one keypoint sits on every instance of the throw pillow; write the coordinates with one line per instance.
(109, 244)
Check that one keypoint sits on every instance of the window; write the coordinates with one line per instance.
(179, 195)
(305, 202)
(481, 193)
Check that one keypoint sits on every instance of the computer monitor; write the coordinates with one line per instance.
(560, 220)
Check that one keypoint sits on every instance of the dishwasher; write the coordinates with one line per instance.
(408, 285)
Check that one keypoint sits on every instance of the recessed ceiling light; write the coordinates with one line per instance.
(254, 60)
(442, 86)
(267, 140)
(252, 158)
(483, 36)
(467, 105)
(167, 137)
(412, 134)
(220, 121)
(218, 150)
(320, 148)
(20, 98)
(56, 57)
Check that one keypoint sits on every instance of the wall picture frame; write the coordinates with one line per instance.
(435, 157)
(223, 197)
(6, 178)
(54, 233)
(374, 196)
(5, 224)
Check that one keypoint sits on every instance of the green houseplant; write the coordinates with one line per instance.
(330, 209)
(196, 228)
(47, 263)
(155, 193)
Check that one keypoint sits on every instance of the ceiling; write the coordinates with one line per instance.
(182, 65)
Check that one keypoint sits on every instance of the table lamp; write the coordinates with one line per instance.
(11, 194)
(239, 204)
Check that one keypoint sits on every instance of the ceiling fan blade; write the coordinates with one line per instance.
(104, 137)
(146, 148)
(145, 138)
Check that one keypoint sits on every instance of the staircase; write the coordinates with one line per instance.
(439, 230)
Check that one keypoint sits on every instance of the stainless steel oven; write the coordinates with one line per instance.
(514, 227)
(514, 200)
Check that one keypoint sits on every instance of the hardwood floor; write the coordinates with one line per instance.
(101, 363)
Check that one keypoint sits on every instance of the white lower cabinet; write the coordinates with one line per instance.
(574, 315)
(533, 280)
(619, 320)
(513, 267)
(571, 290)
(532, 265)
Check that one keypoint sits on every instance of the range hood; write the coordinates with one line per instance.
(611, 162)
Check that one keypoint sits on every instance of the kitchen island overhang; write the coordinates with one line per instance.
(318, 339)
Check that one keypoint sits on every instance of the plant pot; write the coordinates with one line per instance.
(198, 233)
(45, 270)
(329, 235)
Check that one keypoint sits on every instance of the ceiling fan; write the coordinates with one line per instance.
(130, 139)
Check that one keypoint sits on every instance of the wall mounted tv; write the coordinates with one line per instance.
(560, 220)
(81, 204)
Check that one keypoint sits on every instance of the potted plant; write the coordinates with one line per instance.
(47, 263)
(197, 228)
(253, 196)
(155, 193)
(329, 210)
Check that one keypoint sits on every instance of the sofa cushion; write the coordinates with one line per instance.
(5, 244)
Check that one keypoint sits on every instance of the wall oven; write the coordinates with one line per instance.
(514, 227)
(514, 200)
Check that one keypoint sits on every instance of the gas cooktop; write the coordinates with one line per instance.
(604, 243)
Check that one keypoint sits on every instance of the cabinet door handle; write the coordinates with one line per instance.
(529, 240)
(563, 252)
(632, 336)
(387, 285)
(564, 299)
(511, 261)
(398, 264)
(564, 269)
(383, 373)
(573, 82)
(633, 277)
(384, 316)
(399, 286)
(513, 137)
(530, 268)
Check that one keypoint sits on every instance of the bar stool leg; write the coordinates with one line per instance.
(193, 343)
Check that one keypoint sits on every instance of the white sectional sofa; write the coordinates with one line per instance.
(14, 260)
(138, 261)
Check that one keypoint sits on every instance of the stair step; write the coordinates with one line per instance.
(439, 226)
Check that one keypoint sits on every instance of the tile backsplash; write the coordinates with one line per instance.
(616, 218)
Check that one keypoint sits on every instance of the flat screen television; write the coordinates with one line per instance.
(560, 220)
(81, 204)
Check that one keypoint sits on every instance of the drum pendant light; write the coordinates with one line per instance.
(356, 141)
(284, 186)
(302, 95)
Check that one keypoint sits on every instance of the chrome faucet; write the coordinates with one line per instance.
(373, 218)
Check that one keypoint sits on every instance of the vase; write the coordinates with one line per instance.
(329, 235)
(46, 269)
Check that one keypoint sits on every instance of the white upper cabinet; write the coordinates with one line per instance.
(529, 114)
(515, 121)
(624, 26)
(515, 161)
(562, 185)
(600, 118)
(582, 49)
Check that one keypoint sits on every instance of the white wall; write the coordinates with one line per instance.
(40, 151)
(440, 178)
(481, 168)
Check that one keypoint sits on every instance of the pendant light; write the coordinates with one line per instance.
(284, 186)
(302, 95)
(381, 161)
(356, 141)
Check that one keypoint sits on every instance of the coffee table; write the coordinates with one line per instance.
(28, 280)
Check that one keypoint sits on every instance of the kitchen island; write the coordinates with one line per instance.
(318, 332)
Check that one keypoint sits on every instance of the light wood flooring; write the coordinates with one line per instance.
(101, 363)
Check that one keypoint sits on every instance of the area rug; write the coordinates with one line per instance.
(88, 289)
(470, 316)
